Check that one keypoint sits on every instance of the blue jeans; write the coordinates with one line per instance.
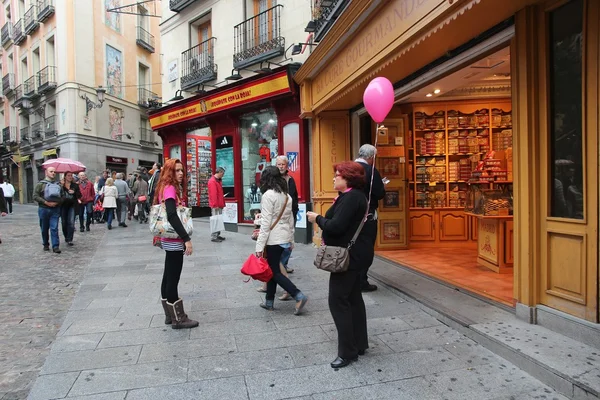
(109, 215)
(49, 220)
(87, 210)
(67, 215)
(285, 257)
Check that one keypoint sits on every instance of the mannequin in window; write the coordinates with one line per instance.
(253, 196)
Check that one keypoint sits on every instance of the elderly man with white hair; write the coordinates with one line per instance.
(366, 158)
(282, 165)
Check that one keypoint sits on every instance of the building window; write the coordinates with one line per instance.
(50, 52)
(259, 149)
(566, 109)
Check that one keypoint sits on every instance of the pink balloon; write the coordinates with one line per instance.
(379, 98)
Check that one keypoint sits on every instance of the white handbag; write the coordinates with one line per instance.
(216, 223)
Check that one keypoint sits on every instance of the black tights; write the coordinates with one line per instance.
(171, 275)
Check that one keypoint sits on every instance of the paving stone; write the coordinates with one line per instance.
(472, 353)
(52, 386)
(143, 336)
(129, 377)
(241, 326)
(301, 382)
(280, 338)
(420, 320)
(289, 321)
(186, 349)
(108, 325)
(239, 364)
(104, 396)
(421, 338)
(76, 342)
(406, 389)
(227, 388)
(90, 359)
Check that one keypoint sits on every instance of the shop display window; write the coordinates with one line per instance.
(259, 149)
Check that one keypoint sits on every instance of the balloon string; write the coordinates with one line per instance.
(372, 173)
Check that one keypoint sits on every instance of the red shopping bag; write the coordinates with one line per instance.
(257, 268)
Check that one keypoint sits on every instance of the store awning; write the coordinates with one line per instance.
(49, 152)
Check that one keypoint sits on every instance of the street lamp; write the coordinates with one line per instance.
(89, 104)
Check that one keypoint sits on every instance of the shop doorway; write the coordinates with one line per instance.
(458, 167)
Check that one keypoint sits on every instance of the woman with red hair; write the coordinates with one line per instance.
(340, 223)
(170, 189)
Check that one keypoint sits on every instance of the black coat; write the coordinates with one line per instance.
(378, 192)
(340, 224)
(293, 192)
(2, 202)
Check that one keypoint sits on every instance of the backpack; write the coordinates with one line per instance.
(52, 191)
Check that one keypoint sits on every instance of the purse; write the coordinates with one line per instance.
(141, 198)
(336, 259)
(159, 223)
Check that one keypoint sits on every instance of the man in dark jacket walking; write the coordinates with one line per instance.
(366, 157)
(49, 194)
(86, 201)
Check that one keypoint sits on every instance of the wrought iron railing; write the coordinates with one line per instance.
(29, 87)
(31, 21)
(325, 16)
(145, 39)
(46, 79)
(258, 38)
(147, 137)
(25, 135)
(50, 128)
(198, 64)
(37, 131)
(178, 5)
(146, 98)
(6, 33)
(19, 32)
(8, 83)
(18, 96)
(9, 134)
(45, 9)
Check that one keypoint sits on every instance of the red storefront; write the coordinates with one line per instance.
(241, 127)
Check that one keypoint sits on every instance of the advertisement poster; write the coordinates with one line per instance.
(301, 218)
(230, 213)
(224, 158)
(291, 146)
(198, 167)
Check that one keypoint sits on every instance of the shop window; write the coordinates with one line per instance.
(566, 110)
(259, 148)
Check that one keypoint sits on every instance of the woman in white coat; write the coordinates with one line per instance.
(109, 203)
(276, 234)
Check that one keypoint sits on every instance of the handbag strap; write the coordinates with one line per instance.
(362, 223)
(280, 214)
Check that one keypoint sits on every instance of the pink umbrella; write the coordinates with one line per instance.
(64, 165)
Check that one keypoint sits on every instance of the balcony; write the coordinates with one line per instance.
(8, 83)
(25, 139)
(7, 33)
(19, 32)
(147, 137)
(258, 38)
(198, 64)
(146, 98)
(46, 79)
(50, 131)
(9, 135)
(145, 39)
(19, 96)
(178, 5)
(31, 21)
(45, 9)
(325, 16)
(29, 87)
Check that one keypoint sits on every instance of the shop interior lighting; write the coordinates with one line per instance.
(254, 124)
(437, 91)
(428, 95)
(271, 121)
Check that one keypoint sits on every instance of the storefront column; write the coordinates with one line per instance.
(526, 102)
(330, 145)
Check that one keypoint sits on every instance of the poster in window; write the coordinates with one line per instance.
(391, 198)
(224, 159)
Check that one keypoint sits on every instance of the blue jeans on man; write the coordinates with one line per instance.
(49, 217)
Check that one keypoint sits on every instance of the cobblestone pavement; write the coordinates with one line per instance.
(36, 291)
(113, 344)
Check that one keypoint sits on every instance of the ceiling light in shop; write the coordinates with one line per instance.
(254, 124)
(428, 95)
(271, 121)
(437, 91)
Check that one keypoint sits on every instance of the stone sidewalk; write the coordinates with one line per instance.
(113, 343)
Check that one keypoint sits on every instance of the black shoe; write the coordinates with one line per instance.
(123, 224)
(289, 270)
(216, 240)
(70, 243)
(109, 227)
(82, 229)
(87, 229)
(368, 288)
(221, 238)
(341, 363)
(56, 250)
(361, 352)
(46, 248)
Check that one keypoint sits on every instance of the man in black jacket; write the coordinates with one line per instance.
(282, 164)
(366, 157)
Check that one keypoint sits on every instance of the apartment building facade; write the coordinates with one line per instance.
(78, 80)
(229, 74)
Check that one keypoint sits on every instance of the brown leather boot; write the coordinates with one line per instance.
(167, 311)
(180, 319)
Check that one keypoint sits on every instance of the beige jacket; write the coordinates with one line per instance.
(110, 196)
(270, 207)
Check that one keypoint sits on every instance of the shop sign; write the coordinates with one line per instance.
(49, 152)
(230, 213)
(172, 71)
(388, 25)
(24, 158)
(301, 218)
(116, 160)
(244, 94)
(488, 240)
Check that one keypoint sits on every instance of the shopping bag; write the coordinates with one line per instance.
(159, 223)
(216, 223)
(257, 268)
